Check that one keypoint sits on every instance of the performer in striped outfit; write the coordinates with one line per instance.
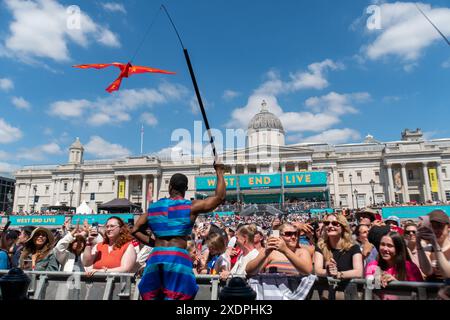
(168, 274)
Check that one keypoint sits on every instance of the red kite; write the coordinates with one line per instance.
(125, 71)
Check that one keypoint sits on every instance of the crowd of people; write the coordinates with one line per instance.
(173, 242)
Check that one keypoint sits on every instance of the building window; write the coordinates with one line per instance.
(341, 177)
(361, 198)
(47, 188)
(343, 201)
(447, 195)
(377, 176)
(86, 185)
(410, 175)
(100, 184)
(359, 176)
(379, 198)
(92, 196)
(65, 186)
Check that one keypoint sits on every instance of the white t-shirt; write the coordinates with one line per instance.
(241, 263)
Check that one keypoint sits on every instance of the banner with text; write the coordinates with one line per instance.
(37, 220)
(305, 179)
(260, 181)
(121, 189)
(433, 180)
(209, 183)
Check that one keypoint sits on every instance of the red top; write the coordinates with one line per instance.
(108, 259)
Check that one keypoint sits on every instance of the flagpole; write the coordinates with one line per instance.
(142, 139)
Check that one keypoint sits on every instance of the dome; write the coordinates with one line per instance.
(265, 120)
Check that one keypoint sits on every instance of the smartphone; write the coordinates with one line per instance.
(95, 227)
(276, 233)
(131, 222)
(5, 228)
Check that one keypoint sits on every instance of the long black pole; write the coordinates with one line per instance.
(200, 102)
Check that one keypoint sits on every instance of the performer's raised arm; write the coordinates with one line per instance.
(210, 203)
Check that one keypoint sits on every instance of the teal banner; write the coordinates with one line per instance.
(58, 220)
(37, 220)
(260, 181)
(209, 183)
(321, 211)
(412, 212)
(100, 218)
(305, 179)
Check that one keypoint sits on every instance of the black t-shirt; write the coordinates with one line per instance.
(344, 259)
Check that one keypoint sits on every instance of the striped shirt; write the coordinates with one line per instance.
(170, 217)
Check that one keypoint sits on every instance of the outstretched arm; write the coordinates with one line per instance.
(139, 231)
(209, 204)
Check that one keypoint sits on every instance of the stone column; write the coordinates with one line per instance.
(391, 184)
(116, 187)
(52, 192)
(27, 198)
(127, 187)
(283, 167)
(441, 184)
(258, 168)
(233, 169)
(80, 189)
(405, 184)
(144, 193)
(58, 190)
(309, 165)
(336, 186)
(426, 180)
(296, 167)
(246, 169)
(155, 188)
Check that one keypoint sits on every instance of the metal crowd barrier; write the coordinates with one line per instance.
(56, 285)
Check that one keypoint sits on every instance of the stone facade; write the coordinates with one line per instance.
(358, 174)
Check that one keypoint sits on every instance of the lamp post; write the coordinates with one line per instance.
(372, 185)
(34, 198)
(71, 193)
(356, 196)
(8, 205)
(351, 187)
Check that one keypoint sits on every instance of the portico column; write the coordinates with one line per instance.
(116, 187)
(390, 184)
(58, 190)
(309, 165)
(283, 167)
(144, 193)
(336, 187)
(52, 193)
(27, 198)
(441, 184)
(127, 187)
(233, 169)
(155, 188)
(405, 184)
(246, 169)
(426, 181)
(296, 167)
(258, 168)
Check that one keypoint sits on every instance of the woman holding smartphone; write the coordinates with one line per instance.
(115, 254)
(282, 254)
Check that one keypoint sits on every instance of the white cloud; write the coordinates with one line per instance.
(69, 109)
(406, 33)
(116, 108)
(21, 103)
(4, 155)
(229, 95)
(149, 119)
(446, 64)
(7, 168)
(334, 136)
(9, 133)
(101, 148)
(31, 38)
(39, 153)
(335, 103)
(6, 84)
(114, 7)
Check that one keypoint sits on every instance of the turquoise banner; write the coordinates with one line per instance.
(260, 181)
(58, 220)
(412, 212)
(209, 183)
(319, 211)
(305, 179)
(37, 220)
(100, 218)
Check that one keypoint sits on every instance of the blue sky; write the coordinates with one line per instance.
(322, 71)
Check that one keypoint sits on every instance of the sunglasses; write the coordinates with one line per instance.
(410, 232)
(333, 223)
(289, 233)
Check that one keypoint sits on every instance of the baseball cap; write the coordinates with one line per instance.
(439, 216)
(393, 218)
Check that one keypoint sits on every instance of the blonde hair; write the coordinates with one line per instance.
(345, 242)
(248, 230)
(216, 241)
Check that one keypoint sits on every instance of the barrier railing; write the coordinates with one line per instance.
(123, 286)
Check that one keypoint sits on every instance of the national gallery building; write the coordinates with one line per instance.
(265, 171)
